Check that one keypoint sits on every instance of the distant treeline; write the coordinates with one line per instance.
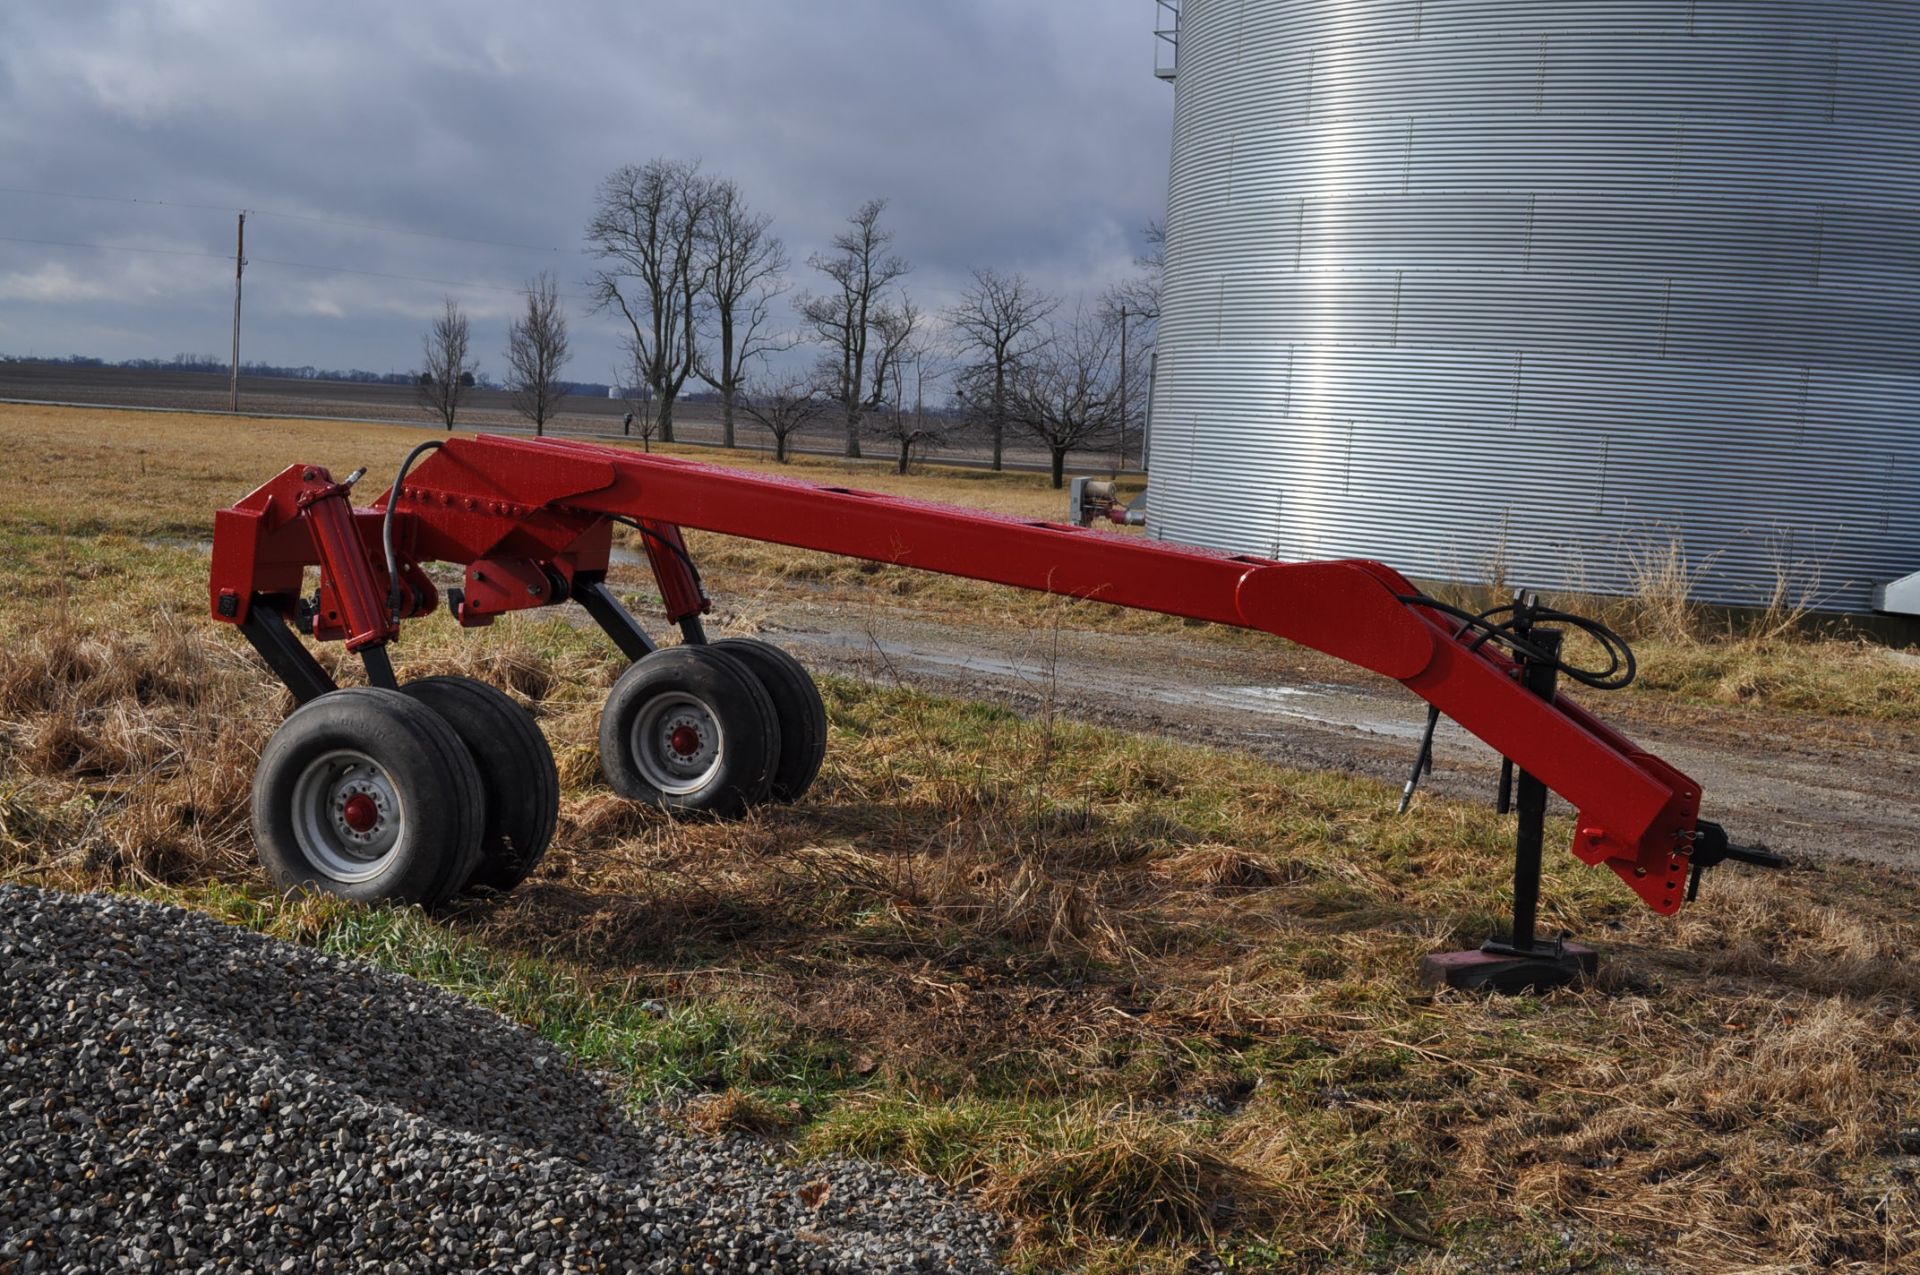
(207, 363)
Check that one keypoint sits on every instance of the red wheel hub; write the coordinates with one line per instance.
(685, 740)
(360, 812)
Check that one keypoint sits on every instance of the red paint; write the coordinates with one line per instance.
(685, 740)
(360, 812)
(526, 515)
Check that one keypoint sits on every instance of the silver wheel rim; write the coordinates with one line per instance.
(347, 816)
(677, 744)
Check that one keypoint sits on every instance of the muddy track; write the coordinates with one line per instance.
(1803, 786)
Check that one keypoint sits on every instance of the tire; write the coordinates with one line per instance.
(369, 795)
(519, 782)
(796, 700)
(690, 728)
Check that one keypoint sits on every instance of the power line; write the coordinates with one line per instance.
(379, 274)
(287, 216)
(268, 261)
(114, 247)
(112, 199)
(396, 230)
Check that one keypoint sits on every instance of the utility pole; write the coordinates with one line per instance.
(239, 268)
(1146, 426)
(1126, 394)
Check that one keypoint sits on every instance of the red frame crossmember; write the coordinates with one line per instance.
(530, 517)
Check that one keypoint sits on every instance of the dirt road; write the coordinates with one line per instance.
(1806, 787)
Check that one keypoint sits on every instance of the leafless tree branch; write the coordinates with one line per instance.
(536, 351)
(1139, 295)
(1068, 394)
(748, 268)
(998, 326)
(647, 230)
(446, 373)
(859, 269)
(784, 408)
(909, 428)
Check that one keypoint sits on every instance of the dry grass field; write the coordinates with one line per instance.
(1152, 1001)
(696, 422)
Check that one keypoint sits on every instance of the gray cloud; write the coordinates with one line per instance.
(1027, 136)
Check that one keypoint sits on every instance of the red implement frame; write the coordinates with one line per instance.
(532, 522)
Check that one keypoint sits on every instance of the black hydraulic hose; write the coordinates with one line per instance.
(1422, 760)
(386, 527)
(677, 551)
(1620, 672)
(1622, 665)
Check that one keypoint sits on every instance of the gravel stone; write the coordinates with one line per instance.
(182, 1095)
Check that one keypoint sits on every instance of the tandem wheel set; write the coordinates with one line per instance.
(419, 791)
(446, 784)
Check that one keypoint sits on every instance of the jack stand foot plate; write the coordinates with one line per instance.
(1547, 967)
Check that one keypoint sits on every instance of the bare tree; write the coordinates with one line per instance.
(536, 351)
(860, 270)
(909, 430)
(1135, 305)
(748, 273)
(784, 408)
(1068, 394)
(446, 373)
(998, 323)
(895, 340)
(647, 227)
(639, 410)
(1139, 296)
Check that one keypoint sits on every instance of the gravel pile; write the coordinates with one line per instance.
(180, 1095)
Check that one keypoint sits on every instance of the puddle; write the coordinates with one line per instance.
(1319, 703)
(913, 655)
(1330, 706)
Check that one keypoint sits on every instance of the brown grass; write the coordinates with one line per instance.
(1150, 1000)
(1801, 669)
(156, 474)
(158, 732)
(736, 1111)
(1163, 1004)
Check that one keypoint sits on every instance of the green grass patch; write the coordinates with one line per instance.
(662, 1051)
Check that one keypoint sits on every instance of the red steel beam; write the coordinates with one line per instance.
(548, 501)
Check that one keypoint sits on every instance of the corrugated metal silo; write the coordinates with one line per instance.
(1535, 289)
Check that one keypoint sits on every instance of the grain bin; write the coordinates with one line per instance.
(1548, 291)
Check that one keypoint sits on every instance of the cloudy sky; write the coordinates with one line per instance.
(1026, 135)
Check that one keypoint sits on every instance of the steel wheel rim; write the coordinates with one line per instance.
(347, 816)
(665, 762)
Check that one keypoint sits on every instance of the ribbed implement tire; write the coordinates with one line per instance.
(414, 781)
(518, 779)
(803, 715)
(690, 728)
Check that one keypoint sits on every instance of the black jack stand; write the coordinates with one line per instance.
(1523, 961)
